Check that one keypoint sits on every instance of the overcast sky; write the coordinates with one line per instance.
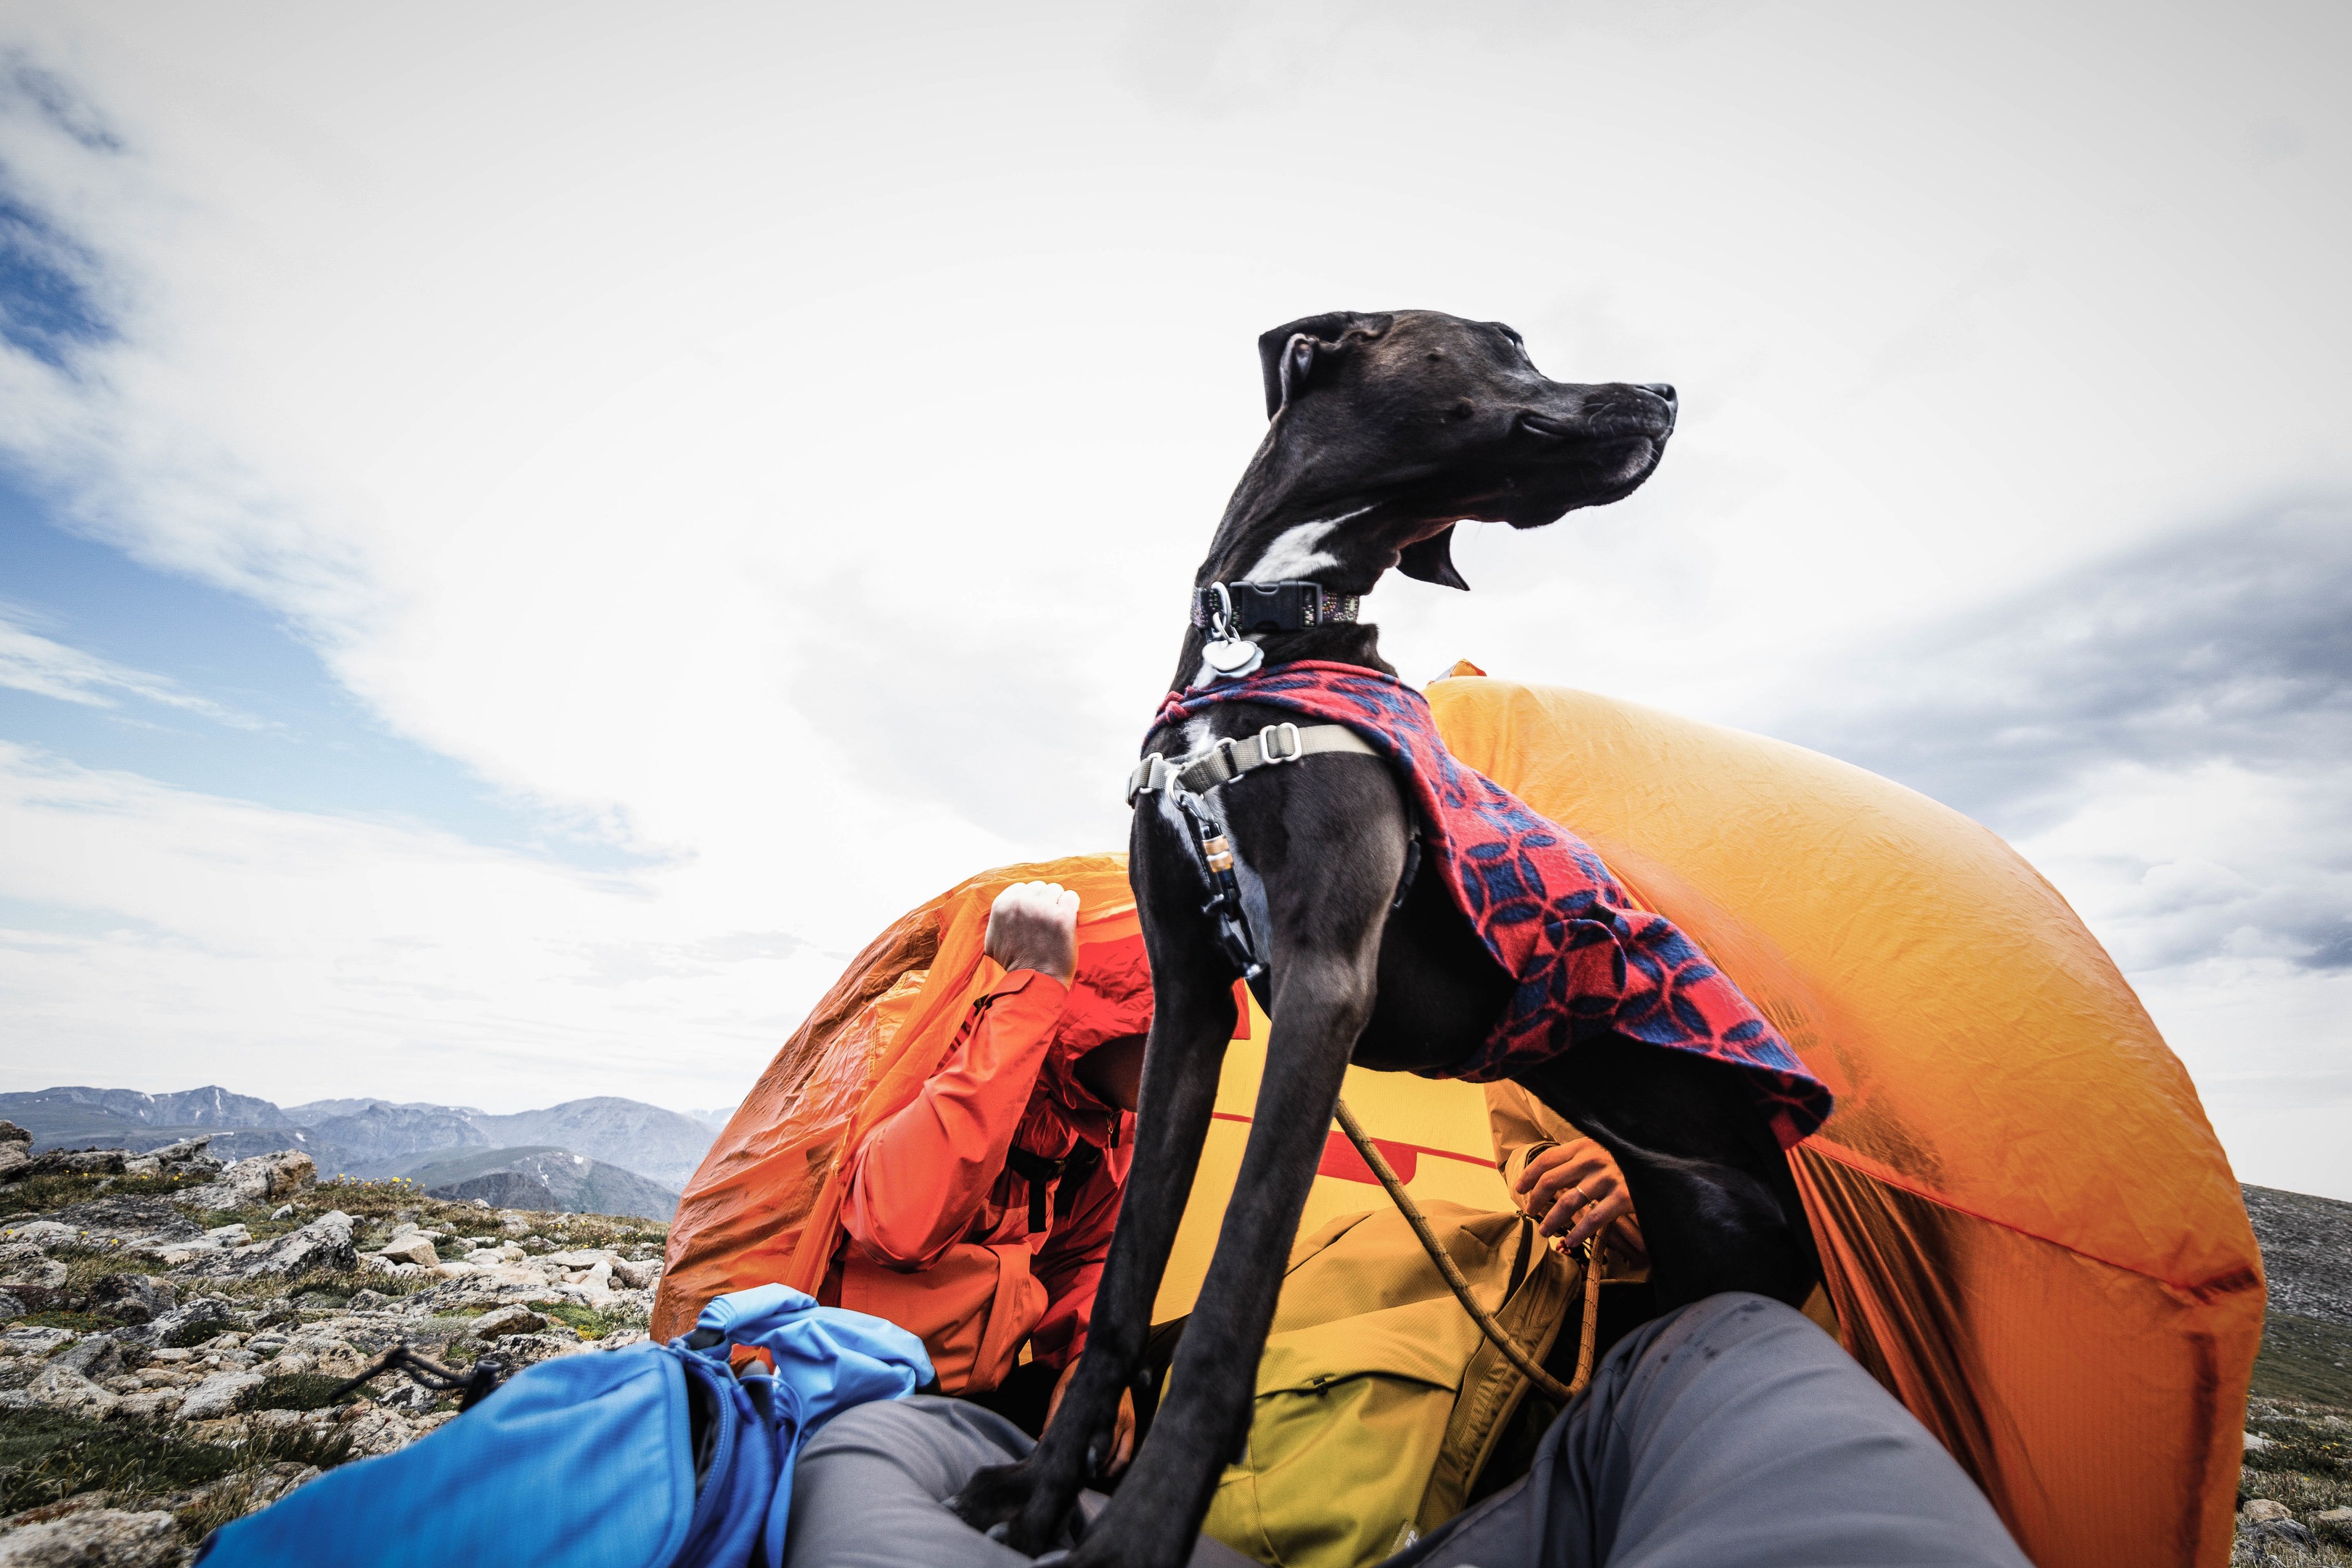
(527, 531)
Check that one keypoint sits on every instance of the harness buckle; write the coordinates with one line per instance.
(1288, 736)
(1149, 776)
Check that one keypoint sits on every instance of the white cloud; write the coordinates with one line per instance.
(299, 954)
(783, 434)
(31, 662)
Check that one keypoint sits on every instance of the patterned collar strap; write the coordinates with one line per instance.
(1291, 606)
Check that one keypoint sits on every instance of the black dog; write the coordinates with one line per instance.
(1386, 430)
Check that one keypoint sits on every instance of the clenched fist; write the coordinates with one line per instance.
(1034, 925)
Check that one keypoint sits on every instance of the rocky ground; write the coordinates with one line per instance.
(174, 1330)
(2296, 1492)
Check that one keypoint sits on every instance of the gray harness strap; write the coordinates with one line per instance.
(1224, 760)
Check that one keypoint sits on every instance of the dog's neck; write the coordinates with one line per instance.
(1281, 527)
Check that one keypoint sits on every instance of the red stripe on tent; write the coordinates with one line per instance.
(1340, 1159)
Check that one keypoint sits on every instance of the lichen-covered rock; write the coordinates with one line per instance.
(61, 1388)
(222, 1393)
(32, 1341)
(131, 1298)
(190, 1322)
(322, 1245)
(77, 1161)
(11, 1306)
(95, 1538)
(134, 1223)
(262, 1180)
(515, 1320)
(95, 1356)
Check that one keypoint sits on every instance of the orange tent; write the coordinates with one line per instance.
(763, 1206)
(2030, 1232)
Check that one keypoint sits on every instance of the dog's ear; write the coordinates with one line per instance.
(1432, 560)
(1286, 356)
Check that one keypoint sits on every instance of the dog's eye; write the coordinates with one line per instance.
(1463, 410)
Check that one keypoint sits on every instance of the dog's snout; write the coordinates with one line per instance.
(1662, 389)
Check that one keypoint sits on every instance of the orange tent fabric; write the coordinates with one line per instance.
(765, 1203)
(2030, 1232)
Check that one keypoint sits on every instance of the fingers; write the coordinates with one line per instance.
(1576, 1174)
(1034, 925)
(1627, 1238)
(1595, 1218)
(1575, 1191)
(1122, 1440)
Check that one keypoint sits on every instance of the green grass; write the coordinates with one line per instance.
(586, 1322)
(47, 1454)
(38, 1195)
(299, 1391)
(2305, 1359)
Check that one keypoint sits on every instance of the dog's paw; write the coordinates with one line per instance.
(994, 1497)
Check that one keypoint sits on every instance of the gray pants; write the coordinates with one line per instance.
(872, 1488)
(1732, 1434)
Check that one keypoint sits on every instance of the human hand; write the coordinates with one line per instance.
(1574, 1189)
(1034, 925)
(1122, 1431)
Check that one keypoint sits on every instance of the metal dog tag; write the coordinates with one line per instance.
(1233, 657)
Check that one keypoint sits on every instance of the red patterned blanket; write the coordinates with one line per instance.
(1586, 960)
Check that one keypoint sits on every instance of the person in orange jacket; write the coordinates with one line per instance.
(979, 1215)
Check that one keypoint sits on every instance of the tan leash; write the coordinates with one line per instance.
(1512, 1351)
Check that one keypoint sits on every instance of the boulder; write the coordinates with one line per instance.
(517, 1320)
(62, 1388)
(415, 1247)
(222, 1393)
(2256, 1511)
(409, 1399)
(94, 1538)
(190, 1322)
(11, 1306)
(33, 1341)
(77, 1161)
(131, 1298)
(323, 1246)
(271, 1178)
(94, 1356)
(12, 1133)
(368, 1301)
(638, 1275)
(189, 1156)
(126, 1219)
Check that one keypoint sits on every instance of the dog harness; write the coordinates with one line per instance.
(1587, 960)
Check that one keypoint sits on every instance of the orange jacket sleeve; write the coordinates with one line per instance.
(918, 1180)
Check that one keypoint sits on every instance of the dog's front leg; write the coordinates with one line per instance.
(1319, 1010)
(1192, 1020)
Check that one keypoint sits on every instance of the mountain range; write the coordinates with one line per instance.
(643, 1153)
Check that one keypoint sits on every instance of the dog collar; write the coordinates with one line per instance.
(1293, 607)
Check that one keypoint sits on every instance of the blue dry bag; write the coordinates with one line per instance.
(648, 1456)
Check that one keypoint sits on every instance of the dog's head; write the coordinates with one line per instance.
(1410, 421)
